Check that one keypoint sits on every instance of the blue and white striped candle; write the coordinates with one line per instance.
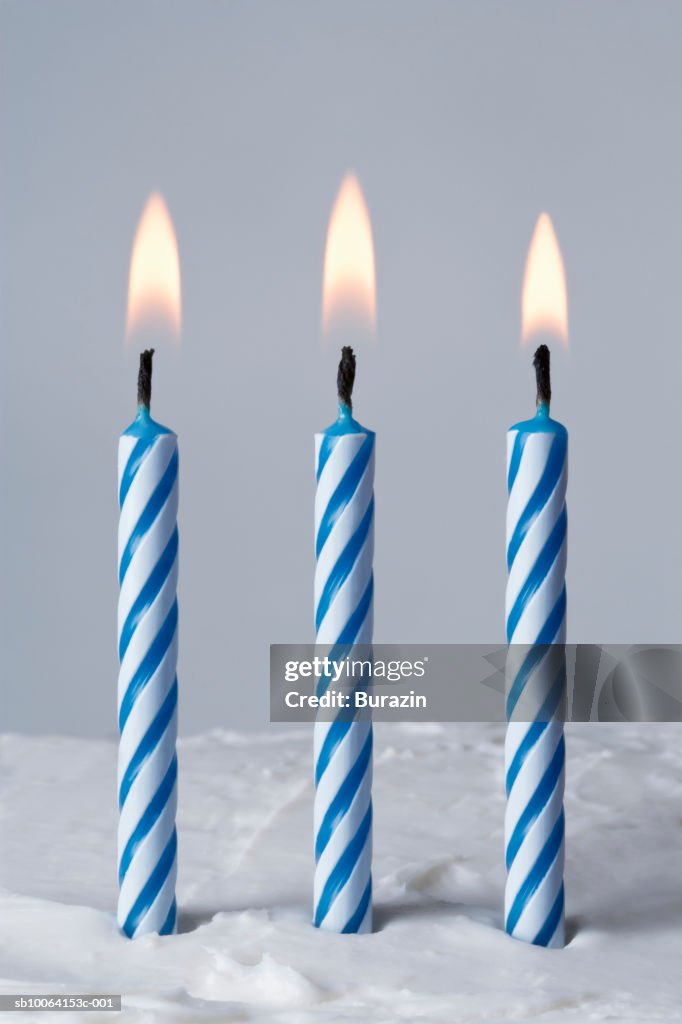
(536, 615)
(344, 541)
(147, 682)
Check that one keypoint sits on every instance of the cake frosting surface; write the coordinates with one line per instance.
(246, 950)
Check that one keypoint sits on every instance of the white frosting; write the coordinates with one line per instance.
(246, 869)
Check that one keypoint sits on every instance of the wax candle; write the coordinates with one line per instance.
(344, 541)
(147, 683)
(536, 615)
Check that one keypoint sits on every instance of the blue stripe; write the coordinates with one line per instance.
(343, 494)
(544, 936)
(539, 498)
(335, 735)
(351, 630)
(329, 442)
(531, 661)
(140, 449)
(549, 631)
(344, 565)
(150, 512)
(555, 695)
(340, 805)
(153, 811)
(537, 802)
(536, 874)
(538, 574)
(515, 461)
(339, 652)
(149, 664)
(358, 917)
(152, 887)
(528, 666)
(344, 868)
(149, 741)
(148, 593)
(529, 740)
(168, 926)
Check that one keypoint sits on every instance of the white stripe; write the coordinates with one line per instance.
(530, 849)
(534, 541)
(145, 860)
(344, 906)
(146, 557)
(147, 630)
(538, 609)
(511, 439)
(147, 706)
(347, 598)
(343, 454)
(142, 791)
(532, 770)
(539, 906)
(126, 443)
(143, 485)
(157, 915)
(340, 764)
(345, 527)
(531, 467)
(343, 834)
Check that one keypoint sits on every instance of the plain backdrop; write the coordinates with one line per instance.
(463, 121)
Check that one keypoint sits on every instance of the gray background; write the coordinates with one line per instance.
(463, 121)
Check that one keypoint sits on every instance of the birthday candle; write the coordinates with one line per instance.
(344, 539)
(147, 683)
(536, 615)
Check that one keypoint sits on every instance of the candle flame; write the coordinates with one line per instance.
(544, 305)
(154, 282)
(349, 289)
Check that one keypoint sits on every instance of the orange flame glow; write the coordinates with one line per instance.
(154, 283)
(349, 288)
(544, 305)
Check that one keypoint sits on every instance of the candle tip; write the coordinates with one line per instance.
(346, 376)
(541, 364)
(144, 378)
